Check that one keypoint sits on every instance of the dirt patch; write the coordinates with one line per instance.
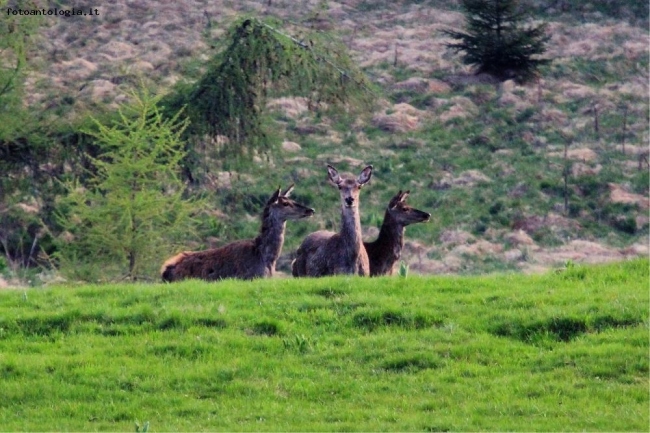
(465, 179)
(636, 250)
(520, 238)
(75, 70)
(338, 159)
(399, 118)
(291, 147)
(581, 169)
(617, 194)
(572, 91)
(555, 222)
(578, 251)
(470, 178)
(290, 107)
(461, 107)
(584, 154)
(31, 208)
(428, 267)
(480, 248)
(423, 85)
(97, 90)
(413, 84)
(631, 149)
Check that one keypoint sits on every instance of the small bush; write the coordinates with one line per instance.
(626, 224)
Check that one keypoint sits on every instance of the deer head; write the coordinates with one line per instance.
(403, 213)
(285, 208)
(349, 187)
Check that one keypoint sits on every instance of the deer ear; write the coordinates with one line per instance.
(365, 175)
(288, 191)
(404, 196)
(333, 174)
(396, 199)
(275, 196)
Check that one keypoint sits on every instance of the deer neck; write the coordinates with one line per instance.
(351, 228)
(270, 240)
(391, 236)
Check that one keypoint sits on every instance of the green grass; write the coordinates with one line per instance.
(562, 351)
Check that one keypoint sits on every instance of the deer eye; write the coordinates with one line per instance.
(285, 203)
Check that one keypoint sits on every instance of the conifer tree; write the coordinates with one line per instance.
(228, 102)
(498, 42)
(131, 211)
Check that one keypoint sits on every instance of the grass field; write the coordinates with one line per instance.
(563, 351)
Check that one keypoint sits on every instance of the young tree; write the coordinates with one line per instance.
(17, 33)
(497, 42)
(126, 219)
(21, 145)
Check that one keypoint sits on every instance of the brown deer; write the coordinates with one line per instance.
(245, 259)
(327, 253)
(384, 252)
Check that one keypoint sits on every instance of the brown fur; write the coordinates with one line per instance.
(384, 252)
(244, 259)
(327, 253)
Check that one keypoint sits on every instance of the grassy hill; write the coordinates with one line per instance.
(566, 350)
(488, 161)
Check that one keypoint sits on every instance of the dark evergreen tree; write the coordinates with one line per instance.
(227, 104)
(498, 42)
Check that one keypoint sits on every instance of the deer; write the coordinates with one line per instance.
(386, 250)
(243, 259)
(327, 253)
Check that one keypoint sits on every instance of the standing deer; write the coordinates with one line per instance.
(384, 252)
(245, 259)
(327, 253)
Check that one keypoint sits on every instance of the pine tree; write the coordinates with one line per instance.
(497, 42)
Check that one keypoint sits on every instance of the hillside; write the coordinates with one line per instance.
(486, 160)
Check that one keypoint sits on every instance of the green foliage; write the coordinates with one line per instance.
(228, 102)
(403, 269)
(17, 33)
(497, 43)
(130, 212)
(21, 149)
(561, 351)
(144, 428)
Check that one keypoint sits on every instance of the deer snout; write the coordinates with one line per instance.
(349, 201)
(309, 212)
